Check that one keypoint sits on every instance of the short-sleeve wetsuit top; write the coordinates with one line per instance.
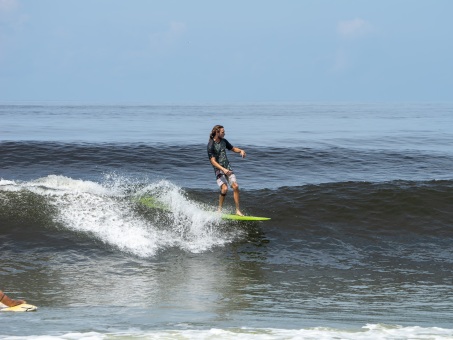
(218, 150)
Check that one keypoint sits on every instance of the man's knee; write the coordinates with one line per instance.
(223, 190)
(235, 186)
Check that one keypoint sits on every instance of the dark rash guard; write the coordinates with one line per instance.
(218, 151)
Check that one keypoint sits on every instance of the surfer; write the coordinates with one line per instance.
(9, 302)
(217, 147)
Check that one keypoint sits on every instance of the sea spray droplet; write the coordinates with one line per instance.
(192, 226)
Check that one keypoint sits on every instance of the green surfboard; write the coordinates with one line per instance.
(243, 218)
(151, 202)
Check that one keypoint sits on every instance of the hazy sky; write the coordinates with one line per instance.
(226, 51)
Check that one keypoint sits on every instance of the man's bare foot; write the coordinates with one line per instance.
(238, 212)
(8, 301)
(16, 302)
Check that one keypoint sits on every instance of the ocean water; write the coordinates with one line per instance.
(359, 245)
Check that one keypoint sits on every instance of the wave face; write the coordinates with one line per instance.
(110, 212)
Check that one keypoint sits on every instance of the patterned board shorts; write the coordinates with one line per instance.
(224, 179)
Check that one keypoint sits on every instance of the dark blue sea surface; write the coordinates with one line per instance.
(358, 246)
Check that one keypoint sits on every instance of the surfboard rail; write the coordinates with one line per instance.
(24, 307)
(243, 218)
(152, 202)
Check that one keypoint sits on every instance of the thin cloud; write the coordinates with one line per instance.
(163, 40)
(354, 28)
(8, 5)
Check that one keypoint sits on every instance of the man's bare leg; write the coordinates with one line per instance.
(236, 198)
(223, 192)
(8, 301)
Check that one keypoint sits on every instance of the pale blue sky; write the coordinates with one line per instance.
(226, 51)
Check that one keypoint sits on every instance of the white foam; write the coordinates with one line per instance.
(194, 228)
(368, 332)
(105, 212)
(56, 185)
(6, 185)
(6, 182)
(109, 221)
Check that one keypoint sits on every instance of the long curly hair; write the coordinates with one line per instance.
(215, 129)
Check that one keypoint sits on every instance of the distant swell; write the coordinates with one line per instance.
(188, 165)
